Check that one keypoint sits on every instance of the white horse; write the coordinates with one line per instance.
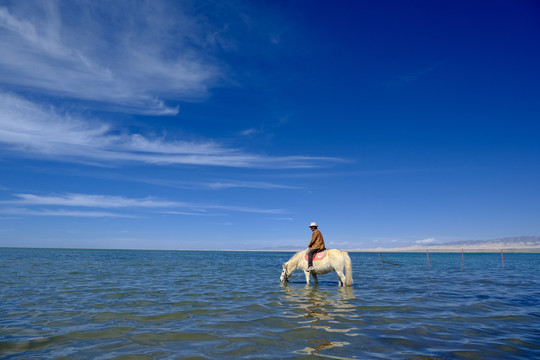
(334, 259)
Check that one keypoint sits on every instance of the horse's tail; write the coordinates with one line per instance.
(348, 269)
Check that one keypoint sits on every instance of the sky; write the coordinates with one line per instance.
(234, 124)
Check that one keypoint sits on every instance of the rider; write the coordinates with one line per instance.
(316, 244)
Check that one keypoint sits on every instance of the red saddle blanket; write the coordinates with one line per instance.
(318, 256)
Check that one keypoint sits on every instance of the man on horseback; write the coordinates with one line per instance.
(316, 244)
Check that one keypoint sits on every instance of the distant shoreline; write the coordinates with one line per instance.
(410, 249)
(487, 248)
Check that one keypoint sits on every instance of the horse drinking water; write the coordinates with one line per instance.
(334, 259)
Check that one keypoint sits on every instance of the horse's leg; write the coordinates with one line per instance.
(307, 276)
(341, 277)
(315, 278)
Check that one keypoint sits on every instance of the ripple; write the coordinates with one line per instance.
(153, 305)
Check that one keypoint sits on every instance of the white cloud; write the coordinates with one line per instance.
(91, 200)
(245, 209)
(212, 185)
(245, 184)
(20, 205)
(426, 241)
(62, 213)
(184, 213)
(112, 56)
(250, 132)
(38, 131)
(62, 51)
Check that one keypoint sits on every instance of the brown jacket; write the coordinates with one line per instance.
(317, 241)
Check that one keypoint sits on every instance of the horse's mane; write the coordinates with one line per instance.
(297, 257)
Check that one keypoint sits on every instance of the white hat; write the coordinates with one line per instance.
(313, 224)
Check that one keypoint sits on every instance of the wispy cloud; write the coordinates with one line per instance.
(405, 80)
(246, 184)
(44, 131)
(132, 68)
(189, 213)
(91, 200)
(218, 185)
(250, 132)
(245, 209)
(62, 213)
(426, 241)
(144, 64)
(32, 204)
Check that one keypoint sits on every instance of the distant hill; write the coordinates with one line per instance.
(517, 243)
(509, 241)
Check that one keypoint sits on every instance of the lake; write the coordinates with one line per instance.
(128, 304)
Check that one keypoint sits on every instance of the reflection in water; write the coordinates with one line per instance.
(322, 345)
(321, 310)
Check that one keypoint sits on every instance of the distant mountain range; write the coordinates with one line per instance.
(517, 243)
(509, 241)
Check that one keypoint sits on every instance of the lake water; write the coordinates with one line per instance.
(118, 304)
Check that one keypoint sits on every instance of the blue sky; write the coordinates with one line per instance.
(233, 124)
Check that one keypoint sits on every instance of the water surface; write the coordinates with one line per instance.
(121, 304)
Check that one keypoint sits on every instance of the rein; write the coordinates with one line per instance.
(299, 274)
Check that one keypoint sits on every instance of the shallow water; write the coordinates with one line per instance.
(120, 304)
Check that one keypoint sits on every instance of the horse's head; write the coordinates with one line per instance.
(285, 275)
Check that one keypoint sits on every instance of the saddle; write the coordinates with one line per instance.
(318, 256)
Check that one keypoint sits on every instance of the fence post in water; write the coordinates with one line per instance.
(380, 258)
(427, 257)
(502, 258)
(462, 262)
